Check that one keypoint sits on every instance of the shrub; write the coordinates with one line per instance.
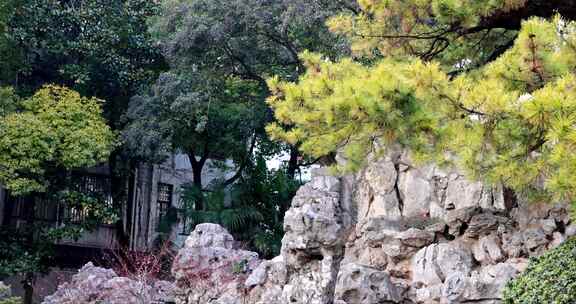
(550, 278)
(5, 295)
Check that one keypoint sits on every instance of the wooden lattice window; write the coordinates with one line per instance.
(164, 199)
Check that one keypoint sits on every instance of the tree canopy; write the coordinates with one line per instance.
(55, 129)
(510, 120)
(99, 48)
(211, 102)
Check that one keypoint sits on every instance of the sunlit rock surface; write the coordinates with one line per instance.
(392, 233)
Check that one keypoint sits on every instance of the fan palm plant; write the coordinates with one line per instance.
(252, 209)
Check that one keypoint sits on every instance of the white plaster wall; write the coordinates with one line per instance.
(177, 171)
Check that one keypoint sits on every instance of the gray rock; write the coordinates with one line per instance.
(480, 287)
(487, 250)
(513, 244)
(483, 224)
(209, 268)
(364, 285)
(373, 257)
(557, 239)
(431, 265)
(93, 285)
(428, 294)
(534, 241)
(415, 237)
(570, 230)
(548, 226)
(457, 220)
(209, 235)
(312, 223)
(376, 191)
(416, 190)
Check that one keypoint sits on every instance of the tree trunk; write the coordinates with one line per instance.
(197, 176)
(197, 167)
(118, 188)
(8, 209)
(28, 284)
(293, 162)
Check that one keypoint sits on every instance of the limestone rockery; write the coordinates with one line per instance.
(392, 233)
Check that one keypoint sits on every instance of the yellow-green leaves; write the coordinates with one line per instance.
(511, 122)
(57, 128)
(345, 105)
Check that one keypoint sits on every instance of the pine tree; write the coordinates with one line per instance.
(504, 116)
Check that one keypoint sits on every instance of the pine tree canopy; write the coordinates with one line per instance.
(508, 119)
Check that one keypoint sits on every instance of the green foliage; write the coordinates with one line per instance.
(56, 129)
(252, 39)
(16, 257)
(550, 278)
(211, 104)
(11, 57)
(446, 30)
(5, 295)
(29, 249)
(12, 300)
(215, 118)
(256, 207)
(8, 101)
(509, 122)
(97, 47)
(215, 211)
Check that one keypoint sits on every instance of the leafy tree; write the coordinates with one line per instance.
(97, 47)
(42, 139)
(10, 56)
(8, 101)
(508, 121)
(220, 53)
(219, 119)
(448, 31)
(56, 129)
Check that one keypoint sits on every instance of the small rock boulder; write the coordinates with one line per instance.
(359, 284)
(432, 265)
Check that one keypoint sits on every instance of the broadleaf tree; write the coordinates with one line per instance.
(220, 53)
(42, 139)
(99, 48)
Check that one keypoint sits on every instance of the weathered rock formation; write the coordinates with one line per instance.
(95, 285)
(392, 233)
(209, 268)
